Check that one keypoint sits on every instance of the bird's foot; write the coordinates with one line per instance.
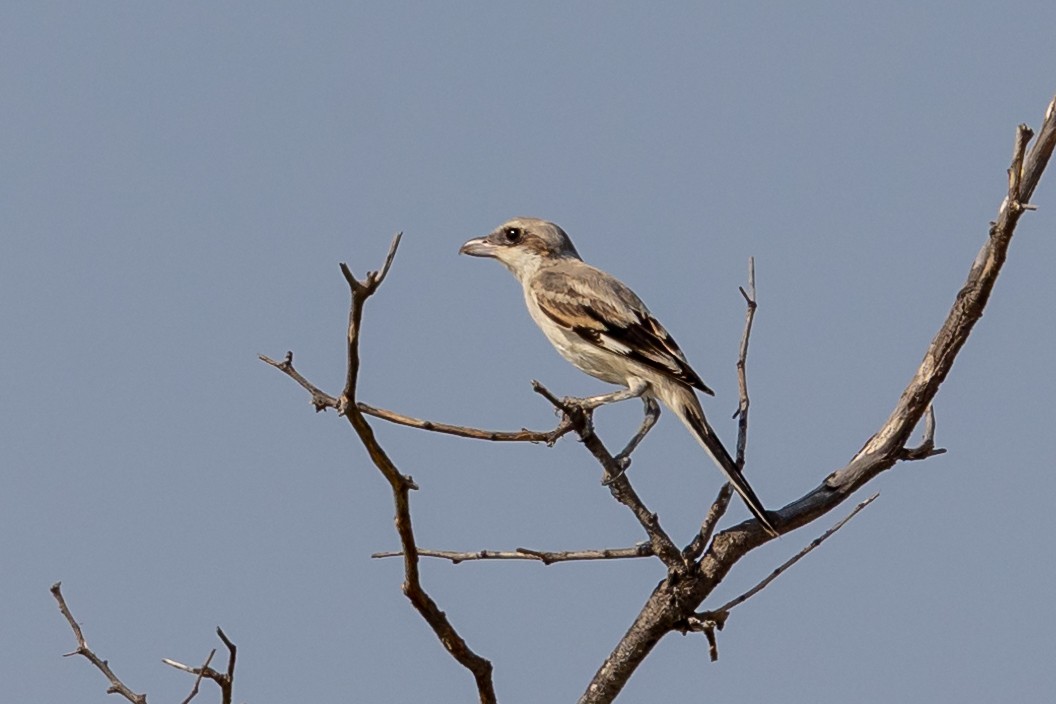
(584, 405)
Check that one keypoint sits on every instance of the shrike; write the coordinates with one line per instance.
(599, 325)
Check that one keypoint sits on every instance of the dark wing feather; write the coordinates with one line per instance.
(606, 313)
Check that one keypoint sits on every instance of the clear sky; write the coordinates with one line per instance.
(180, 181)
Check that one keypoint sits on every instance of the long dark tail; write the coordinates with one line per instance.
(694, 419)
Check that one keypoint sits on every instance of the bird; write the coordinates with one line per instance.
(603, 328)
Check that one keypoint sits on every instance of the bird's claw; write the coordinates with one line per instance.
(623, 462)
(574, 403)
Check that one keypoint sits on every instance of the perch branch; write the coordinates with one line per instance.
(322, 400)
(671, 603)
(582, 420)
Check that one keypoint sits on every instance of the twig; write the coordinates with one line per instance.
(708, 621)
(116, 685)
(322, 400)
(523, 435)
(224, 680)
(198, 679)
(707, 526)
(725, 608)
(232, 653)
(927, 447)
(722, 501)
(546, 557)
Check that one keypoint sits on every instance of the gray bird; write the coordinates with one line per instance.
(599, 325)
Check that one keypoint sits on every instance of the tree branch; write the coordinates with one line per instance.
(667, 606)
(582, 420)
(116, 685)
(224, 680)
(322, 401)
(546, 557)
(400, 484)
(722, 501)
(708, 621)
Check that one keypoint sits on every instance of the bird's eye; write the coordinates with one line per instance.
(512, 234)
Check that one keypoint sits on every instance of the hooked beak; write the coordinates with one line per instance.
(478, 247)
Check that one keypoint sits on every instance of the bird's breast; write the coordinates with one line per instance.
(584, 355)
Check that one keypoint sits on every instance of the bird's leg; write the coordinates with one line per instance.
(589, 403)
(652, 414)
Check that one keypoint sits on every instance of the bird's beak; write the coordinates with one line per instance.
(478, 247)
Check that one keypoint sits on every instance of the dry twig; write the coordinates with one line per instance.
(116, 685)
(224, 680)
(545, 556)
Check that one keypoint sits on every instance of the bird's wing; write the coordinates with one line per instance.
(605, 312)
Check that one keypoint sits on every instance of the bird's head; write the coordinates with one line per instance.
(523, 245)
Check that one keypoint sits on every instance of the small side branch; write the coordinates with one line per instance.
(709, 621)
(322, 401)
(116, 685)
(198, 679)
(718, 507)
(545, 556)
(523, 435)
(927, 447)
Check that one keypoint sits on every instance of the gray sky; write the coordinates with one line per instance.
(181, 181)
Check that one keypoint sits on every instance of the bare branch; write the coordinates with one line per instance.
(724, 610)
(722, 501)
(546, 557)
(322, 400)
(232, 653)
(224, 680)
(707, 526)
(582, 420)
(198, 679)
(708, 622)
(523, 435)
(116, 685)
(400, 484)
(884, 448)
(666, 608)
(927, 447)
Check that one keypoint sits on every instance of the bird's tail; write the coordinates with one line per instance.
(689, 412)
